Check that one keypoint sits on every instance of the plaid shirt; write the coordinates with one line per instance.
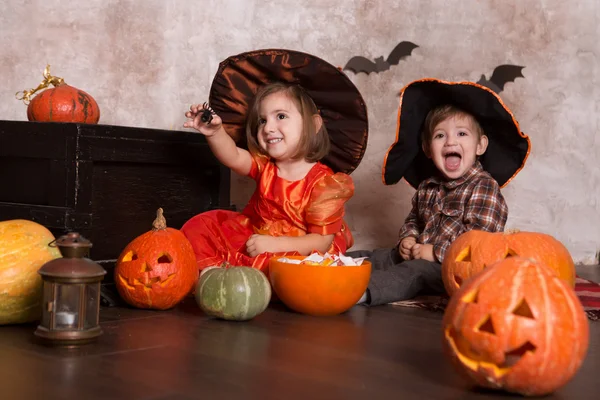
(442, 210)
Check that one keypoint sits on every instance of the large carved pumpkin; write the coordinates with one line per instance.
(23, 250)
(472, 251)
(516, 326)
(233, 293)
(63, 103)
(157, 269)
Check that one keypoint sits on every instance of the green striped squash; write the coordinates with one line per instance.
(234, 293)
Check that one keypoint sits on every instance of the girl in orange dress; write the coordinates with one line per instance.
(298, 205)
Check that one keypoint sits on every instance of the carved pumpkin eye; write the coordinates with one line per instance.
(130, 256)
(487, 326)
(471, 297)
(522, 310)
(510, 253)
(165, 258)
(463, 256)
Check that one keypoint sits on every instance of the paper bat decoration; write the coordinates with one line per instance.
(502, 74)
(361, 64)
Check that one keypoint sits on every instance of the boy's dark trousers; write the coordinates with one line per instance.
(393, 279)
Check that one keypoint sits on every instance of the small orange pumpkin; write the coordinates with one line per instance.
(518, 327)
(157, 269)
(472, 251)
(63, 103)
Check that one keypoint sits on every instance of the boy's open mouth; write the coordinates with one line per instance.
(452, 160)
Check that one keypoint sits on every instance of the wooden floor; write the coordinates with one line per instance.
(367, 353)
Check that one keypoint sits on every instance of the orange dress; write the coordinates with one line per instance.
(314, 204)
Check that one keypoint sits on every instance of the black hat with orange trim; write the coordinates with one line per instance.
(507, 150)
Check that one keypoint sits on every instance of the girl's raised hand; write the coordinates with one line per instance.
(194, 121)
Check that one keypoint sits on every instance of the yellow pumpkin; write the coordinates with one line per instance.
(23, 250)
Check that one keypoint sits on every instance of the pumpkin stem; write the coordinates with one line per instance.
(511, 231)
(160, 222)
(48, 80)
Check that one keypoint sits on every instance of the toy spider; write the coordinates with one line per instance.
(207, 113)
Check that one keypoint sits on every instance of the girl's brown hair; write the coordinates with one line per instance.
(442, 113)
(313, 145)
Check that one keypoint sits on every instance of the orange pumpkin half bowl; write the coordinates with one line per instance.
(318, 290)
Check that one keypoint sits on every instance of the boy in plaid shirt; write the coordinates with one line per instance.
(470, 144)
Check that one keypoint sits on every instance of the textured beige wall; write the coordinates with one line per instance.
(146, 61)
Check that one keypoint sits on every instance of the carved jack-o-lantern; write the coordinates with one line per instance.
(472, 251)
(157, 269)
(516, 326)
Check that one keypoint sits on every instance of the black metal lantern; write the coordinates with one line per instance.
(71, 294)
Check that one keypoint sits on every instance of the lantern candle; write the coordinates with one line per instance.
(66, 318)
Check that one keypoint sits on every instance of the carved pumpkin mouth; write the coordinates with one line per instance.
(469, 357)
(147, 282)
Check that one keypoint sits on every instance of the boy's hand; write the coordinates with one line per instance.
(258, 244)
(406, 246)
(423, 251)
(194, 121)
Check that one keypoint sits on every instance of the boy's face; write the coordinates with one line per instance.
(455, 146)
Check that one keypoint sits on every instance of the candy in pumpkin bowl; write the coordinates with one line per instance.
(516, 327)
(319, 285)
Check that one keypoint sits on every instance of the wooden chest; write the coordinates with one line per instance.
(106, 182)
